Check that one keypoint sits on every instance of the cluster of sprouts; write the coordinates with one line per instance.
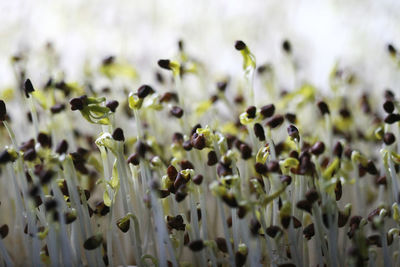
(238, 173)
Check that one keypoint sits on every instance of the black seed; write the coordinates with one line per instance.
(69, 217)
(50, 204)
(222, 86)
(342, 219)
(240, 259)
(44, 140)
(286, 46)
(370, 168)
(180, 196)
(304, 205)
(251, 112)
(374, 240)
(230, 200)
(180, 180)
(76, 103)
(308, 231)
(187, 145)
(124, 224)
(5, 157)
(194, 129)
(323, 107)
(101, 208)
(389, 138)
(229, 221)
(198, 179)
(62, 147)
(345, 113)
(267, 111)
(196, 245)
(141, 149)
(144, 91)
(185, 164)
(164, 63)
(338, 150)
(221, 244)
(28, 87)
(338, 190)
(254, 226)
(176, 223)
(296, 222)
(287, 265)
(241, 212)
(118, 135)
(391, 49)
(293, 132)
(45, 176)
(388, 106)
(273, 230)
(275, 121)
(93, 242)
(57, 108)
(285, 221)
(223, 170)
(4, 231)
(112, 105)
(240, 45)
(392, 118)
(176, 112)
(318, 148)
(30, 155)
(163, 193)
(3, 111)
(159, 77)
(108, 60)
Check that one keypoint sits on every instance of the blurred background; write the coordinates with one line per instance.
(352, 32)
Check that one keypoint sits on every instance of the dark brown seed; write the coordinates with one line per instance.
(69, 217)
(221, 244)
(312, 195)
(273, 166)
(275, 121)
(251, 112)
(254, 226)
(381, 180)
(374, 240)
(44, 140)
(164, 63)
(144, 91)
(240, 45)
(388, 106)
(196, 245)
(177, 138)
(5, 157)
(296, 222)
(134, 159)
(180, 196)
(373, 213)
(45, 176)
(123, 224)
(112, 105)
(294, 154)
(230, 200)
(308, 231)
(198, 179)
(290, 117)
(186, 240)
(273, 230)
(4, 231)
(176, 112)
(286, 179)
(62, 147)
(187, 145)
(392, 118)
(245, 151)
(212, 158)
(223, 170)
(267, 111)
(389, 138)
(389, 95)
(176, 223)
(185, 164)
(172, 172)
(76, 103)
(260, 168)
(198, 141)
(3, 111)
(259, 132)
(342, 219)
(169, 96)
(50, 204)
(57, 108)
(93, 242)
(323, 107)
(28, 87)
(304, 205)
(287, 265)
(241, 212)
(318, 148)
(30, 155)
(118, 135)
(338, 149)
(180, 180)
(102, 209)
(293, 132)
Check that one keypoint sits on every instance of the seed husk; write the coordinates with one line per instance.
(93, 242)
